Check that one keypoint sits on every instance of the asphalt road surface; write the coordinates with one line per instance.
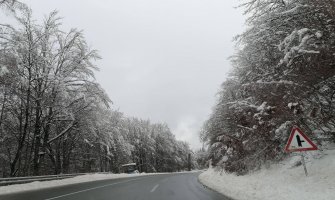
(176, 186)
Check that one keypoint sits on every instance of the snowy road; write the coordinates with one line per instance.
(177, 186)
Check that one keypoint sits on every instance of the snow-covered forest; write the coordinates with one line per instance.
(283, 75)
(54, 116)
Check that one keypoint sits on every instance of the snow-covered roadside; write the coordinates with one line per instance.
(79, 179)
(281, 181)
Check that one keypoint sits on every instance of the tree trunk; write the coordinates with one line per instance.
(25, 128)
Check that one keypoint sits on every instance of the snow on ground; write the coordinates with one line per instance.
(78, 179)
(281, 181)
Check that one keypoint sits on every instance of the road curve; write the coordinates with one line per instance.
(176, 186)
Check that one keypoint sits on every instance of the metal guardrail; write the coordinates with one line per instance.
(20, 180)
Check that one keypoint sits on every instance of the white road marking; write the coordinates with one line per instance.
(72, 193)
(154, 188)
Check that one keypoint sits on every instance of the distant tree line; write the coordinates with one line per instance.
(283, 75)
(55, 118)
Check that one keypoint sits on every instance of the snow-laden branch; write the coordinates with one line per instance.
(68, 128)
(248, 128)
(284, 82)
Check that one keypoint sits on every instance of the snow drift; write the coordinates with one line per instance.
(281, 181)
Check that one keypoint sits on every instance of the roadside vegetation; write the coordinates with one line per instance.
(55, 117)
(283, 75)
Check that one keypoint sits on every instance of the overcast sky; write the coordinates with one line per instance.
(162, 60)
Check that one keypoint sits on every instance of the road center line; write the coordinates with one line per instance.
(72, 193)
(154, 188)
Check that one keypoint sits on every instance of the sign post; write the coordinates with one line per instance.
(303, 163)
(298, 141)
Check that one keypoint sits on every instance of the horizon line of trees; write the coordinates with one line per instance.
(55, 118)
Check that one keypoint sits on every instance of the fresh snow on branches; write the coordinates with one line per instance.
(283, 75)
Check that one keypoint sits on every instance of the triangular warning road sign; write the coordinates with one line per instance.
(298, 141)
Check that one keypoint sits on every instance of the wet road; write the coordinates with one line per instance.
(176, 186)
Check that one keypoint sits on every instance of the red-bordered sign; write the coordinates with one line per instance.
(298, 141)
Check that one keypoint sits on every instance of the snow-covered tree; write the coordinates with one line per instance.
(283, 75)
(54, 116)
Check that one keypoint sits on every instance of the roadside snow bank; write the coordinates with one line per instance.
(280, 181)
(78, 179)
